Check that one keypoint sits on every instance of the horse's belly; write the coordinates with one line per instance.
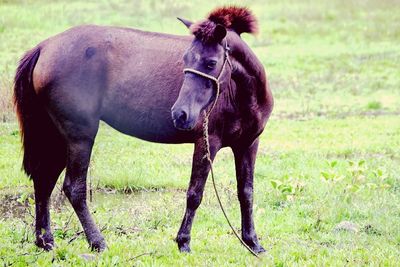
(143, 82)
(150, 123)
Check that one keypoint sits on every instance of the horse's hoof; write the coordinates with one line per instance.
(183, 242)
(98, 245)
(46, 243)
(184, 248)
(258, 249)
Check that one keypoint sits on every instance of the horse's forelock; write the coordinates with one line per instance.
(238, 19)
(204, 30)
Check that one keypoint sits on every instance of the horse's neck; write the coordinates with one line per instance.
(248, 74)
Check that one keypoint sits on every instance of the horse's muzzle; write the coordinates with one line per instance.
(181, 119)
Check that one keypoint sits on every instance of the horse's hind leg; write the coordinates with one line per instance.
(44, 181)
(44, 160)
(79, 147)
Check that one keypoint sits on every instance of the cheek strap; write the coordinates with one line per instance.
(212, 78)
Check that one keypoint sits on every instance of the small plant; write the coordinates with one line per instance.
(287, 189)
(26, 198)
(331, 175)
(381, 174)
(374, 105)
(382, 177)
(357, 171)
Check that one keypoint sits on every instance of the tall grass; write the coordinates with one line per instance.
(6, 104)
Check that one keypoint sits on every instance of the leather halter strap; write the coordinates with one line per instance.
(216, 80)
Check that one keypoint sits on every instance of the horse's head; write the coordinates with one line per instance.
(205, 70)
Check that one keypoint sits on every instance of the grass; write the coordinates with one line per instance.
(305, 186)
(330, 153)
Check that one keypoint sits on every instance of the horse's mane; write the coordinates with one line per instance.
(238, 19)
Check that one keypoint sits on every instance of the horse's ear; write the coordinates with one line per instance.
(219, 33)
(186, 22)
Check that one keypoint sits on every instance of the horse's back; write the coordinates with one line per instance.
(126, 77)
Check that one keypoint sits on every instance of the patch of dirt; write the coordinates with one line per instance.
(346, 226)
(18, 205)
(371, 230)
(14, 205)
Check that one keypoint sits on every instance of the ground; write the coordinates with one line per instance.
(329, 154)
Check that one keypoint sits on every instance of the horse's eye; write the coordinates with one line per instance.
(211, 64)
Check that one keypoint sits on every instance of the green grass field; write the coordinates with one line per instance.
(330, 153)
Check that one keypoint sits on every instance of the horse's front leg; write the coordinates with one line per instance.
(200, 170)
(244, 162)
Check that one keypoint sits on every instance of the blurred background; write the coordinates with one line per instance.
(329, 57)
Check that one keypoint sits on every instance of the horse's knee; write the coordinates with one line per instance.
(245, 194)
(194, 199)
(75, 192)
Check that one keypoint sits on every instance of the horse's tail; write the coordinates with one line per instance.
(43, 144)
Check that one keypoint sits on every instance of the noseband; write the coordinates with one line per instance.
(216, 80)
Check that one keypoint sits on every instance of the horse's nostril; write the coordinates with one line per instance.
(183, 116)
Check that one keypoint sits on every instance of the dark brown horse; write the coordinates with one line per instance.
(130, 79)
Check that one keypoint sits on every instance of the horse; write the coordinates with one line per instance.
(152, 86)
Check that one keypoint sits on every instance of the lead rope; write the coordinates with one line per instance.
(207, 156)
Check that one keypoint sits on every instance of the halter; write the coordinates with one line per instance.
(212, 78)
